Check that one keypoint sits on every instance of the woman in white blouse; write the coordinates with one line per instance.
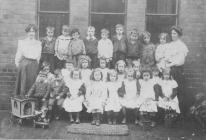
(26, 60)
(175, 54)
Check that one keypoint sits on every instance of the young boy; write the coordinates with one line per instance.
(133, 47)
(40, 90)
(105, 47)
(91, 43)
(76, 46)
(48, 44)
(120, 44)
(57, 95)
(62, 47)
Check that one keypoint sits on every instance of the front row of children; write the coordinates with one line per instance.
(105, 90)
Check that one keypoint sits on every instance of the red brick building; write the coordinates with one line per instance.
(153, 15)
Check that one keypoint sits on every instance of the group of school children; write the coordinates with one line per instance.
(105, 76)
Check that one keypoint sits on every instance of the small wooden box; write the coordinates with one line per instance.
(23, 107)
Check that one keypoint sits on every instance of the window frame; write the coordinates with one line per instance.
(109, 13)
(50, 12)
(159, 14)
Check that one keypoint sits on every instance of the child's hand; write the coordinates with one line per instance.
(107, 60)
(58, 97)
(43, 99)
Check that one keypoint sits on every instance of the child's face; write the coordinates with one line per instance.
(130, 76)
(102, 64)
(136, 67)
(85, 65)
(69, 66)
(97, 75)
(76, 75)
(121, 68)
(46, 69)
(65, 32)
(41, 78)
(119, 30)
(50, 33)
(75, 35)
(90, 32)
(146, 39)
(166, 76)
(138, 74)
(104, 35)
(162, 40)
(113, 77)
(146, 76)
(133, 36)
(155, 73)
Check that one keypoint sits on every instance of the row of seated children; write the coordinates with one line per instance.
(69, 45)
(106, 90)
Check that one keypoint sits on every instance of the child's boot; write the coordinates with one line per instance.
(93, 119)
(98, 119)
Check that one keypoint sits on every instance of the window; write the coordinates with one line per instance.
(52, 13)
(106, 14)
(160, 16)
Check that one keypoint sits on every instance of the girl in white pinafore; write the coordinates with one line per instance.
(148, 98)
(113, 105)
(84, 64)
(66, 72)
(131, 97)
(96, 95)
(75, 98)
(168, 100)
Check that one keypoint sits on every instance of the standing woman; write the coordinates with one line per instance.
(176, 53)
(26, 60)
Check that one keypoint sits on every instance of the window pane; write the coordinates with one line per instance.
(106, 21)
(54, 5)
(161, 6)
(157, 24)
(56, 20)
(115, 6)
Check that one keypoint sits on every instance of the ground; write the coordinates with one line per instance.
(57, 130)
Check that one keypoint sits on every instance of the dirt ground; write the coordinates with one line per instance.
(57, 130)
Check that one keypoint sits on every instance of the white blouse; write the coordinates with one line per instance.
(176, 52)
(105, 48)
(30, 49)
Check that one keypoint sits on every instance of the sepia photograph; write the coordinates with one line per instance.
(103, 69)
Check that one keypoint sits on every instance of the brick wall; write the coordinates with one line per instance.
(192, 19)
(15, 15)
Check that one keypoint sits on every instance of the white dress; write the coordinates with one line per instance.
(113, 102)
(104, 72)
(160, 56)
(86, 74)
(147, 96)
(96, 97)
(66, 75)
(120, 77)
(130, 99)
(74, 102)
(167, 89)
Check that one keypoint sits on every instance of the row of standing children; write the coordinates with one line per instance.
(103, 89)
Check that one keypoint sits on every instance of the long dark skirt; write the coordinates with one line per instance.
(26, 76)
(177, 73)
